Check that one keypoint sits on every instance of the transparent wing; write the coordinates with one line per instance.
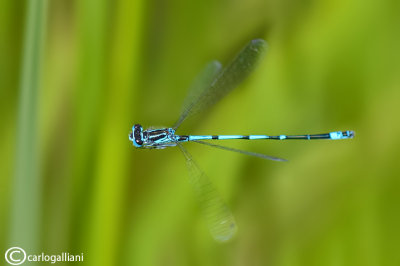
(225, 81)
(219, 218)
(201, 82)
(259, 155)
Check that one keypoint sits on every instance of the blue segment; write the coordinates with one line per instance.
(342, 134)
(282, 137)
(258, 137)
(350, 134)
(336, 135)
(230, 137)
(191, 138)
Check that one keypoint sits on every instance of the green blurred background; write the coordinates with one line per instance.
(76, 75)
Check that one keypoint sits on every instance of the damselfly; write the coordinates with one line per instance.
(212, 85)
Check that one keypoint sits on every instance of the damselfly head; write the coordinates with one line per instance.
(136, 136)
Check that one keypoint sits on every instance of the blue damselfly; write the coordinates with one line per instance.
(212, 85)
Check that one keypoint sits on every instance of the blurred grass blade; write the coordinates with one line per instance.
(122, 50)
(26, 213)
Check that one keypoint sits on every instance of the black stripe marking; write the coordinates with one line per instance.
(183, 138)
(214, 137)
(155, 137)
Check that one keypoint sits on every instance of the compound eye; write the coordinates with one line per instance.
(137, 135)
(139, 142)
